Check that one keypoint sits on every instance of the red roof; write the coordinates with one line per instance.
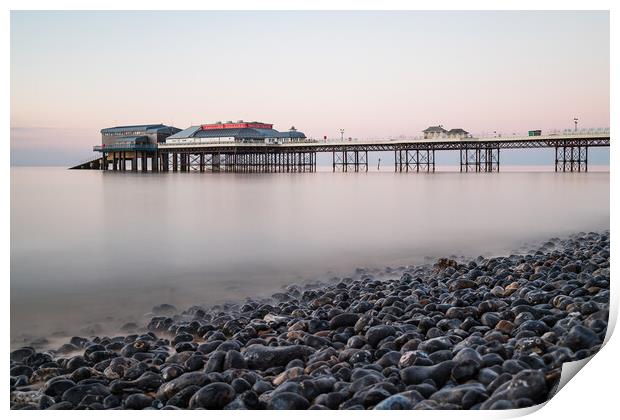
(236, 125)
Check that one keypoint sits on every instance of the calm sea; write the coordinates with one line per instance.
(95, 250)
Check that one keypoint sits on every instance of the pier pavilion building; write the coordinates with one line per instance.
(457, 133)
(438, 132)
(132, 143)
(435, 132)
(236, 132)
(134, 135)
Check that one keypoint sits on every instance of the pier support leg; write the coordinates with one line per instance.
(479, 159)
(340, 160)
(464, 160)
(418, 160)
(395, 161)
(354, 159)
(571, 158)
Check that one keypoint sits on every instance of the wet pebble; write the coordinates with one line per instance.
(213, 396)
(485, 333)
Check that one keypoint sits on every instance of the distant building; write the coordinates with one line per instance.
(438, 132)
(236, 132)
(129, 137)
(457, 133)
(434, 132)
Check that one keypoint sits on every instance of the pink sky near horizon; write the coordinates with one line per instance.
(374, 74)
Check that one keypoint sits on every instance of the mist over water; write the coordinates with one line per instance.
(101, 247)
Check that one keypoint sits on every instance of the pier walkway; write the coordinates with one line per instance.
(410, 155)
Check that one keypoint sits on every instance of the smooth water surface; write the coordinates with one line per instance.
(92, 247)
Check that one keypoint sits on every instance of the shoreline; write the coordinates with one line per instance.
(484, 333)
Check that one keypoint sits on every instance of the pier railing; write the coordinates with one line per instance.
(125, 147)
(476, 136)
(207, 141)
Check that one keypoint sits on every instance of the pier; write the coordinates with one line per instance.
(256, 147)
(476, 154)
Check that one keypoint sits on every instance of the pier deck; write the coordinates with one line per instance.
(413, 155)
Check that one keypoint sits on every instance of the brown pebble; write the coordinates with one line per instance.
(504, 326)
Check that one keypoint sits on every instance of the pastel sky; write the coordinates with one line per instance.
(375, 74)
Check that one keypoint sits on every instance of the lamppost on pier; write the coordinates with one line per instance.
(576, 120)
(342, 134)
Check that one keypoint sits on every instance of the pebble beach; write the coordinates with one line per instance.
(481, 333)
